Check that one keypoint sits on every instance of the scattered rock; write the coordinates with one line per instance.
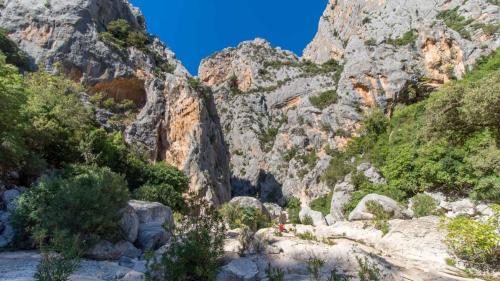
(249, 202)
(361, 212)
(274, 210)
(135, 264)
(462, 207)
(9, 198)
(6, 230)
(341, 197)
(242, 269)
(152, 236)
(372, 173)
(152, 212)
(317, 217)
(106, 250)
(129, 223)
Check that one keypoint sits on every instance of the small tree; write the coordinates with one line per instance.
(196, 249)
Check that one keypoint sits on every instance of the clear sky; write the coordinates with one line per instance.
(194, 29)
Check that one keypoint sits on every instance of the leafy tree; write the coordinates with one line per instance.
(14, 55)
(196, 249)
(57, 118)
(13, 98)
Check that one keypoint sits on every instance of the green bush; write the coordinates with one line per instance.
(13, 55)
(13, 97)
(367, 270)
(474, 242)
(324, 100)
(73, 203)
(238, 217)
(408, 38)
(293, 207)
(57, 119)
(423, 205)
(322, 204)
(307, 220)
(274, 274)
(456, 22)
(381, 216)
(196, 249)
(59, 259)
(307, 236)
(120, 34)
(164, 194)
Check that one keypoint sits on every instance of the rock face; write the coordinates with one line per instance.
(177, 123)
(276, 137)
(367, 36)
(389, 52)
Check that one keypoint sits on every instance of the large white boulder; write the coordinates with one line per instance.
(391, 206)
(342, 194)
(249, 202)
(316, 217)
(129, 223)
(242, 269)
(151, 212)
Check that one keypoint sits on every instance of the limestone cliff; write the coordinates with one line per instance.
(176, 123)
(281, 114)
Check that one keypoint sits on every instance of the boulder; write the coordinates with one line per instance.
(463, 207)
(361, 211)
(152, 236)
(243, 269)
(249, 202)
(135, 264)
(106, 250)
(342, 194)
(129, 223)
(372, 173)
(9, 198)
(329, 219)
(151, 212)
(317, 217)
(274, 210)
(6, 230)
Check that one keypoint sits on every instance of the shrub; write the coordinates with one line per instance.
(13, 97)
(236, 216)
(474, 242)
(274, 274)
(314, 266)
(121, 35)
(324, 100)
(322, 204)
(307, 220)
(59, 259)
(58, 121)
(456, 22)
(164, 184)
(73, 203)
(267, 138)
(307, 236)
(423, 205)
(367, 270)
(408, 37)
(13, 55)
(293, 208)
(381, 216)
(196, 249)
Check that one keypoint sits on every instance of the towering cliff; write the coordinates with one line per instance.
(281, 114)
(177, 123)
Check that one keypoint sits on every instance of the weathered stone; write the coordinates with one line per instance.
(152, 236)
(461, 207)
(361, 211)
(129, 223)
(137, 265)
(106, 250)
(341, 197)
(21, 266)
(242, 269)
(6, 230)
(316, 217)
(9, 198)
(249, 202)
(275, 211)
(151, 212)
(371, 173)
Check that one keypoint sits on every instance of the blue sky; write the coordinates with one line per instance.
(194, 29)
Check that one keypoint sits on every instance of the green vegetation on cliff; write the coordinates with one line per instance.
(448, 142)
